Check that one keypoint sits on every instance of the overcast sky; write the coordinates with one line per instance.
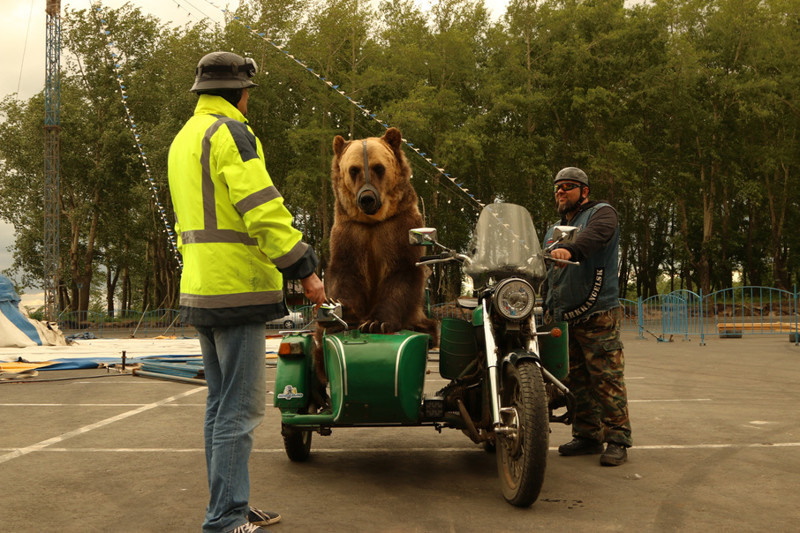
(22, 39)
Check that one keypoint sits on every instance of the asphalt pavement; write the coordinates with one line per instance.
(716, 448)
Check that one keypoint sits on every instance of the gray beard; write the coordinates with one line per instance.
(568, 207)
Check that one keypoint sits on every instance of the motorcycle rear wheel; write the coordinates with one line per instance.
(297, 443)
(522, 455)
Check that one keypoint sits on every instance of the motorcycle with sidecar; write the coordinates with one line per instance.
(504, 364)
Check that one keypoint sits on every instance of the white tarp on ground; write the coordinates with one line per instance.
(102, 349)
(112, 348)
(17, 330)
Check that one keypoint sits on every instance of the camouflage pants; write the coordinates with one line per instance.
(596, 367)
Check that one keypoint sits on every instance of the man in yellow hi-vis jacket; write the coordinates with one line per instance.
(238, 243)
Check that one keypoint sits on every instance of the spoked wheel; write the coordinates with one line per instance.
(522, 447)
(297, 443)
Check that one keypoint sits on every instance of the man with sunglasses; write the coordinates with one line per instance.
(238, 244)
(586, 297)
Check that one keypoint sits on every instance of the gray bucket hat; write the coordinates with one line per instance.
(572, 174)
(224, 70)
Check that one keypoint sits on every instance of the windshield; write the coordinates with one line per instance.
(505, 244)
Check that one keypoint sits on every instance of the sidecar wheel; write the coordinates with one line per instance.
(522, 454)
(297, 444)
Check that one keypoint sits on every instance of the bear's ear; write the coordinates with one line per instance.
(339, 145)
(393, 138)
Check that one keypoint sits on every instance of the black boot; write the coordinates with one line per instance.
(581, 446)
(615, 455)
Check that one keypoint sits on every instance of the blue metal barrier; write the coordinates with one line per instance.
(729, 313)
(159, 322)
(743, 311)
(631, 316)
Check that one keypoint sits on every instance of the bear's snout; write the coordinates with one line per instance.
(369, 199)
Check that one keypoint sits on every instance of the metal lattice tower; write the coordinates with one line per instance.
(52, 158)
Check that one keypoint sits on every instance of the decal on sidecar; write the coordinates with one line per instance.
(290, 393)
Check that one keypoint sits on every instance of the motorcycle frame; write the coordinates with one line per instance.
(496, 361)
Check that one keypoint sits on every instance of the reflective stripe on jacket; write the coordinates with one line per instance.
(234, 232)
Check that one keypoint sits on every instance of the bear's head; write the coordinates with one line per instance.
(370, 177)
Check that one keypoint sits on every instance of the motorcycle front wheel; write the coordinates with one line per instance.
(522, 450)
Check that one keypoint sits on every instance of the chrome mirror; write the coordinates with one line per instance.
(422, 236)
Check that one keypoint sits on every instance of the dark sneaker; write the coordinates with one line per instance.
(262, 518)
(581, 446)
(615, 455)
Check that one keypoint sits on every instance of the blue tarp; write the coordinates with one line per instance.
(14, 324)
(80, 363)
(73, 364)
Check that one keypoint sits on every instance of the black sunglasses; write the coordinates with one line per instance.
(566, 187)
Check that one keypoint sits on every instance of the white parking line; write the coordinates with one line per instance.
(717, 446)
(96, 404)
(132, 382)
(409, 450)
(126, 382)
(672, 400)
(45, 443)
(268, 392)
(72, 404)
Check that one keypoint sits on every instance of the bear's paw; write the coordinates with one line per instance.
(376, 326)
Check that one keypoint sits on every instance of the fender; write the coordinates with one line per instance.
(521, 355)
(569, 400)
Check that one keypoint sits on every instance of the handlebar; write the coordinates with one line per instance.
(434, 257)
(565, 261)
(443, 257)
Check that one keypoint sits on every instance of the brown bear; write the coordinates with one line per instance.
(372, 269)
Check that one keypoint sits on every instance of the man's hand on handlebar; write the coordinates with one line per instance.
(314, 289)
(563, 254)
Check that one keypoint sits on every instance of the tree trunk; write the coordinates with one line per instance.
(707, 191)
(777, 216)
(751, 271)
(623, 270)
(111, 288)
(125, 294)
(88, 257)
(690, 258)
(324, 189)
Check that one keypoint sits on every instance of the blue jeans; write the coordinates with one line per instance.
(235, 370)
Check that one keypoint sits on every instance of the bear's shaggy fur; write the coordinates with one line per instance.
(372, 269)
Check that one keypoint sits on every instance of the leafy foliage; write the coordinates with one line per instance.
(683, 113)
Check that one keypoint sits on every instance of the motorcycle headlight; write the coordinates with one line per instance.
(514, 299)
